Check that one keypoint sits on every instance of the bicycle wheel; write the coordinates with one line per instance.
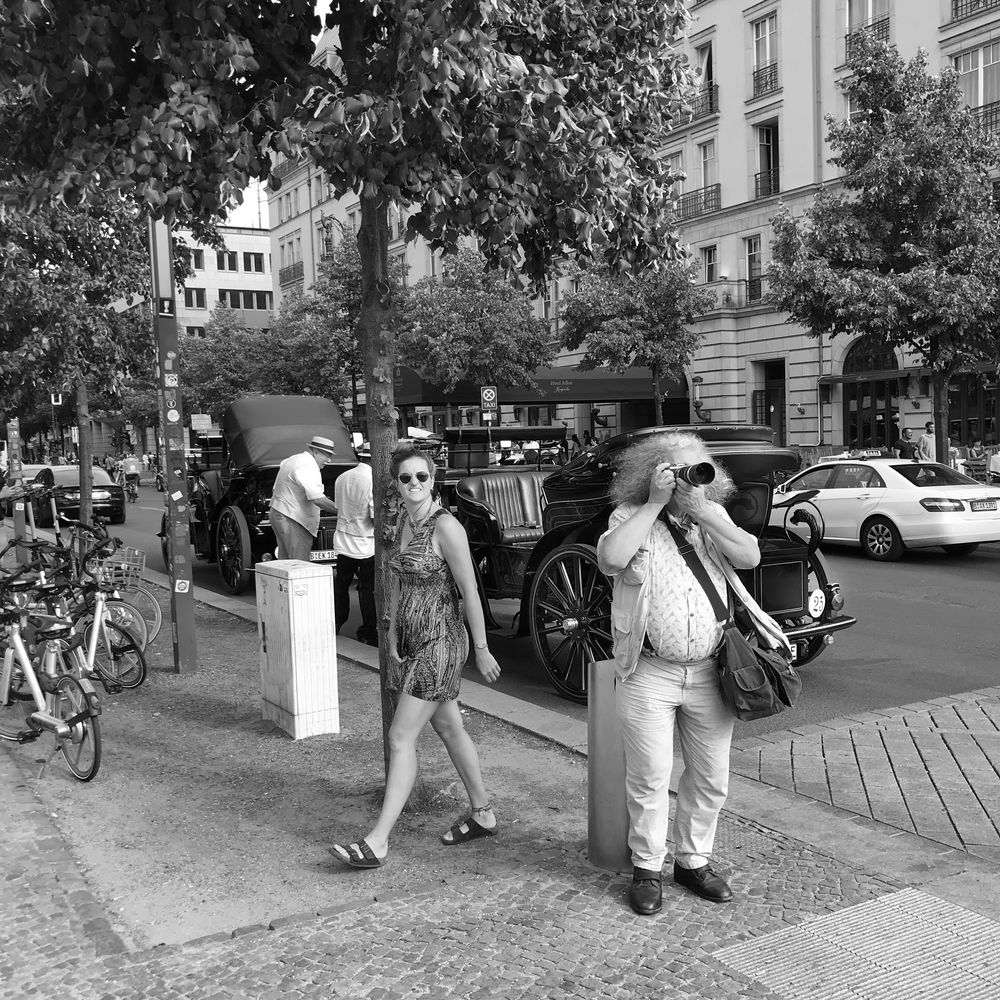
(126, 616)
(118, 658)
(82, 748)
(145, 602)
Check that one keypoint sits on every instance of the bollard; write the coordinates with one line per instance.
(607, 813)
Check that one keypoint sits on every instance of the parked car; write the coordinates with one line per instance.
(107, 497)
(13, 487)
(887, 505)
(229, 486)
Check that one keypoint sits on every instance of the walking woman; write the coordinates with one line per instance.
(433, 577)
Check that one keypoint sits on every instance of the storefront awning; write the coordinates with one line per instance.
(873, 376)
(554, 385)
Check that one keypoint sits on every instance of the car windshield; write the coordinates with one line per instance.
(926, 475)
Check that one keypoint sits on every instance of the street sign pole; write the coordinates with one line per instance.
(168, 379)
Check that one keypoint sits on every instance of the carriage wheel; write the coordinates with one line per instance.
(570, 617)
(233, 550)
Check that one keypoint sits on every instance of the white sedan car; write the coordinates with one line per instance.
(887, 505)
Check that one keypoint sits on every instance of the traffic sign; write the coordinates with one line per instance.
(489, 400)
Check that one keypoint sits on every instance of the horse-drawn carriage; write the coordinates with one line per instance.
(533, 533)
(229, 489)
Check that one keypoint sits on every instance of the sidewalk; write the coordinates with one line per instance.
(844, 887)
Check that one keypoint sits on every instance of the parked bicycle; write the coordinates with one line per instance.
(37, 695)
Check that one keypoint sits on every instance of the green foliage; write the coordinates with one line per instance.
(60, 270)
(907, 251)
(627, 321)
(536, 126)
(172, 105)
(472, 323)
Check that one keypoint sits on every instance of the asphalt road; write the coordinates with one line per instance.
(928, 626)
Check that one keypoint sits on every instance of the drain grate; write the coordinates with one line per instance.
(907, 945)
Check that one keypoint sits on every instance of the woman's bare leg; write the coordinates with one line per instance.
(448, 724)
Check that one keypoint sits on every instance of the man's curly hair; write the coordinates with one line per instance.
(634, 467)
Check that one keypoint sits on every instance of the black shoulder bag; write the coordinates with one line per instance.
(755, 682)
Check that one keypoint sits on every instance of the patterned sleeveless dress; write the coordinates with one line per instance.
(431, 639)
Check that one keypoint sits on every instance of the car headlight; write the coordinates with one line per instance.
(939, 504)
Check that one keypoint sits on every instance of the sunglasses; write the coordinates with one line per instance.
(422, 477)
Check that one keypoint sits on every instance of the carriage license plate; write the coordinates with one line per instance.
(983, 505)
(322, 555)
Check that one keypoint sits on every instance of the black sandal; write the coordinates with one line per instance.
(472, 831)
(357, 855)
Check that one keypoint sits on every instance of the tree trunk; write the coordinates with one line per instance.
(85, 455)
(939, 381)
(657, 397)
(377, 339)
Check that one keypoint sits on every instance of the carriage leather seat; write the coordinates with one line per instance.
(514, 498)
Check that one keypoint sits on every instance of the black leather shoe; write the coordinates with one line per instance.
(646, 894)
(703, 882)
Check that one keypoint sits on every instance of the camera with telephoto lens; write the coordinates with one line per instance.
(699, 474)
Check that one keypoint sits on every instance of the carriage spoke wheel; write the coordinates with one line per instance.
(233, 550)
(570, 617)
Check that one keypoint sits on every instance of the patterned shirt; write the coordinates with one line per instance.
(681, 626)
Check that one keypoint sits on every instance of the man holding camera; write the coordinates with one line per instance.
(665, 638)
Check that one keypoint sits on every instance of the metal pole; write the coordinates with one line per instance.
(607, 813)
(168, 380)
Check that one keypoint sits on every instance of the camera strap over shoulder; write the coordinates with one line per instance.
(697, 567)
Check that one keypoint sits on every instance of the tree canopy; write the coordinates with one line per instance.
(905, 249)
(628, 321)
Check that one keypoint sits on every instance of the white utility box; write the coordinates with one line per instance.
(298, 647)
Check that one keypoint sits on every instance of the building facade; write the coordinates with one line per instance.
(756, 142)
(238, 277)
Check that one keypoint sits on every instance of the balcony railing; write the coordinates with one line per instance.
(291, 273)
(737, 293)
(706, 102)
(968, 8)
(989, 114)
(706, 199)
(766, 183)
(765, 79)
(878, 28)
(286, 167)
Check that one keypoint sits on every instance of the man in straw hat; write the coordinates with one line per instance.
(298, 498)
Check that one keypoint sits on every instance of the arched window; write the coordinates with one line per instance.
(871, 396)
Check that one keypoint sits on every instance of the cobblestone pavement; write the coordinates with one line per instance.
(532, 924)
(930, 768)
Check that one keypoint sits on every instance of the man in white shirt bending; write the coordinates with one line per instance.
(298, 497)
(354, 543)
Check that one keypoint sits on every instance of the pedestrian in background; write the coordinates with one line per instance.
(433, 579)
(903, 446)
(298, 497)
(665, 662)
(354, 543)
(927, 445)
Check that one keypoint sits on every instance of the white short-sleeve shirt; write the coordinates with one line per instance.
(298, 485)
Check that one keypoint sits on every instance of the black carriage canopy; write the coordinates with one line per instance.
(262, 431)
(747, 451)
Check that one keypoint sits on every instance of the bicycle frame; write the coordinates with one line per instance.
(41, 720)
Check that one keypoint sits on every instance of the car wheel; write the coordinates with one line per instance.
(880, 540)
(232, 546)
(118, 518)
(961, 549)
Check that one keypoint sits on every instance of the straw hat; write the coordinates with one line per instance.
(323, 444)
